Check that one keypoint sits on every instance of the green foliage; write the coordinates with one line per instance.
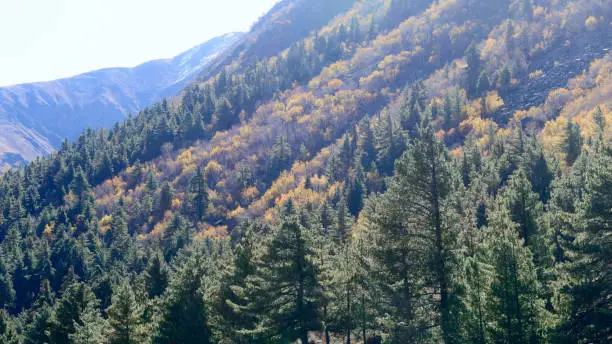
(77, 306)
(285, 283)
(385, 236)
(573, 142)
(156, 276)
(184, 317)
(198, 197)
(126, 317)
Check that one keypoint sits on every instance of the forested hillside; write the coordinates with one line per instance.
(370, 171)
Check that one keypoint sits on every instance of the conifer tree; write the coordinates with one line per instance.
(483, 84)
(125, 316)
(92, 330)
(198, 195)
(184, 317)
(238, 318)
(365, 143)
(474, 69)
(151, 180)
(286, 281)
(573, 142)
(505, 78)
(8, 334)
(156, 276)
(78, 300)
(591, 255)
(515, 303)
(165, 198)
(408, 227)
(38, 329)
(527, 212)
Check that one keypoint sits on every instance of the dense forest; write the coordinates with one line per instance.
(396, 171)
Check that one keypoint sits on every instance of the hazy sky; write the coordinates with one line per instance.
(49, 39)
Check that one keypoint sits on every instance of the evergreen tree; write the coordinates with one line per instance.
(483, 84)
(166, 196)
(515, 304)
(280, 155)
(527, 212)
(151, 180)
(573, 142)
(178, 235)
(198, 196)
(184, 317)
(125, 317)
(365, 143)
(78, 300)
(409, 227)
(505, 79)
(8, 334)
(474, 69)
(286, 281)
(600, 120)
(156, 276)
(117, 236)
(7, 292)
(591, 256)
(93, 329)
(238, 318)
(38, 329)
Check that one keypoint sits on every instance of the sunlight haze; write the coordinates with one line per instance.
(45, 40)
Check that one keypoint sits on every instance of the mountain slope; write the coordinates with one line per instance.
(35, 118)
(407, 171)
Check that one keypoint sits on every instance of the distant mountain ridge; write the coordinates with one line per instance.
(36, 117)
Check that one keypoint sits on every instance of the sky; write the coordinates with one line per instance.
(44, 40)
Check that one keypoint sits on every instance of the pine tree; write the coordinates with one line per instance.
(117, 236)
(365, 143)
(286, 281)
(7, 292)
(156, 276)
(474, 69)
(78, 300)
(125, 317)
(515, 303)
(238, 318)
(93, 329)
(8, 334)
(38, 329)
(409, 227)
(483, 84)
(178, 235)
(600, 120)
(280, 155)
(184, 317)
(573, 142)
(527, 212)
(198, 195)
(151, 180)
(590, 257)
(165, 198)
(505, 79)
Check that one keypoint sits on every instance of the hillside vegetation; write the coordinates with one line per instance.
(374, 171)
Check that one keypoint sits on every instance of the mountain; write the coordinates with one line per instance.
(35, 118)
(376, 171)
